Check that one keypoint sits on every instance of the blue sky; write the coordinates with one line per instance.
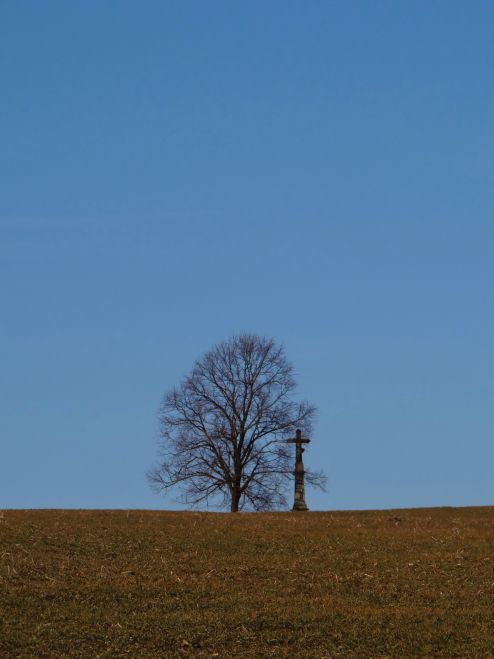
(172, 173)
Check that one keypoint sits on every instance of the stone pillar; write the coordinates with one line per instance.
(299, 498)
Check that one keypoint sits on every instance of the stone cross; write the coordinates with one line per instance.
(299, 499)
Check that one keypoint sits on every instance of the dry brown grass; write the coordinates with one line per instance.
(415, 583)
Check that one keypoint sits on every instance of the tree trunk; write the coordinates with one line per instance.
(235, 500)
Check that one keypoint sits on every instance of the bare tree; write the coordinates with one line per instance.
(223, 428)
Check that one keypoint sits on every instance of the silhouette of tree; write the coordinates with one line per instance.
(223, 428)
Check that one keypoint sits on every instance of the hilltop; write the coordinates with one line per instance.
(325, 584)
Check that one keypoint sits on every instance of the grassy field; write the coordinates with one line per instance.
(408, 583)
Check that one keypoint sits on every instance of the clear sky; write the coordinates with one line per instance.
(322, 173)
